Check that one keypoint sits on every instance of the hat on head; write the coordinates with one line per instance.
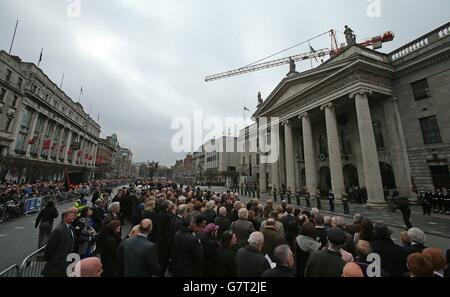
(417, 235)
(336, 236)
(210, 228)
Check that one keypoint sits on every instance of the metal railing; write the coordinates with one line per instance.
(12, 271)
(33, 265)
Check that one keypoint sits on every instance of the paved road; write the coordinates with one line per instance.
(18, 238)
(436, 227)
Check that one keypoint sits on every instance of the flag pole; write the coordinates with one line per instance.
(14, 37)
(310, 50)
(81, 93)
(62, 80)
(40, 58)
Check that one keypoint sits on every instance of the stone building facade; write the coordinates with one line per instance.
(365, 118)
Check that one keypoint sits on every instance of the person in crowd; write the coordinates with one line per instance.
(222, 222)
(305, 244)
(98, 214)
(366, 231)
(290, 225)
(284, 263)
(137, 255)
(419, 266)
(437, 258)
(242, 227)
(328, 262)
(113, 213)
(107, 245)
(352, 269)
(320, 231)
(268, 209)
(210, 214)
(272, 238)
(363, 250)
(164, 219)
(250, 262)
(210, 247)
(226, 255)
(233, 216)
(133, 232)
(177, 221)
(149, 213)
(85, 233)
(338, 222)
(356, 226)
(60, 244)
(278, 225)
(187, 251)
(404, 239)
(418, 239)
(45, 222)
(89, 267)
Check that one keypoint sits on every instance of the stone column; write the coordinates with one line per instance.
(17, 128)
(60, 142)
(372, 174)
(397, 149)
(334, 151)
(290, 158)
(309, 154)
(66, 149)
(41, 143)
(32, 131)
(274, 168)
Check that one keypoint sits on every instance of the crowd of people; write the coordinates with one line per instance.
(190, 232)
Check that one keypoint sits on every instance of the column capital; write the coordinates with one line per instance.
(304, 115)
(361, 92)
(327, 105)
(286, 122)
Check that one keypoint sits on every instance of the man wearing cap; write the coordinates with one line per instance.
(327, 262)
(418, 239)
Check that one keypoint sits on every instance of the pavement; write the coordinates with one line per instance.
(436, 226)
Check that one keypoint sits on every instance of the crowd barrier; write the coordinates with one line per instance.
(12, 271)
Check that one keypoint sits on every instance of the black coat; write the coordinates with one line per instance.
(175, 226)
(223, 223)
(98, 215)
(209, 216)
(290, 225)
(210, 247)
(151, 215)
(187, 254)
(413, 248)
(324, 263)
(250, 262)
(107, 246)
(137, 258)
(279, 271)
(226, 262)
(393, 257)
(164, 219)
(48, 214)
(61, 243)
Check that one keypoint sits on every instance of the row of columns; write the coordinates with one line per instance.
(371, 169)
(65, 137)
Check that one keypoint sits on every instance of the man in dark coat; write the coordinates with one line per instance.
(290, 224)
(98, 215)
(137, 255)
(285, 262)
(250, 262)
(393, 257)
(164, 219)
(187, 251)
(60, 244)
(327, 262)
(222, 221)
(272, 238)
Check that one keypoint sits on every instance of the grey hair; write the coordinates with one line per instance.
(256, 239)
(236, 204)
(182, 209)
(315, 210)
(282, 253)
(339, 221)
(327, 220)
(210, 205)
(181, 200)
(243, 213)
(222, 211)
(114, 205)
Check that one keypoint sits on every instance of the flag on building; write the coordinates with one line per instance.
(313, 51)
(246, 109)
(32, 141)
(46, 144)
(40, 57)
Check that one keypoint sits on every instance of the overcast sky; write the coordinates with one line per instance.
(143, 62)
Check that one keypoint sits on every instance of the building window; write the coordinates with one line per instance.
(19, 83)
(26, 118)
(421, 89)
(430, 130)
(8, 75)
(346, 142)
(257, 160)
(2, 95)
(8, 124)
(21, 141)
(243, 160)
(379, 141)
(323, 145)
(14, 102)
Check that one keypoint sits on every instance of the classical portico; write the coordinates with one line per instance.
(331, 112)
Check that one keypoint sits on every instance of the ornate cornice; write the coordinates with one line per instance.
(424, 64)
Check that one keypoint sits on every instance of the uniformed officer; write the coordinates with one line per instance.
(307, 198)
(345, 203)
(297, 196)
(436, 200)
(319, 203)
(289, 195)
(446, 198)
(428, 201)
(331, 200)
(281, 191)
(274, 192)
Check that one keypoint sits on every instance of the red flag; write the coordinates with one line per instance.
(86, 156)
(69, 152)
(46, 144)
(32, 141)
(78, 153)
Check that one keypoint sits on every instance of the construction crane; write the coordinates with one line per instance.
(376, 42)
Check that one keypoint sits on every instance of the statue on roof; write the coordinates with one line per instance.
(349, 36)
(292, 67)
(260, 100)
